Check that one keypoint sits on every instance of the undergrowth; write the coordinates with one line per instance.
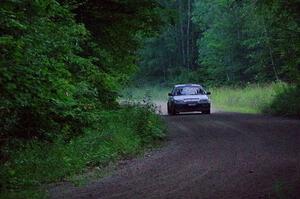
(286, 101)
(121, 133)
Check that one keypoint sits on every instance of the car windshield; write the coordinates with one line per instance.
(189, 90)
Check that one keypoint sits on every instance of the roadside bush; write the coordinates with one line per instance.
(119, 133)
(286, 101)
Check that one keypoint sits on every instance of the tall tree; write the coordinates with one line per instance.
(62, 61)
(183, 37)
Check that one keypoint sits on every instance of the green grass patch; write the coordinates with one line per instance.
(249, 99)
(121, 133)
(254, 98)
(275, 98)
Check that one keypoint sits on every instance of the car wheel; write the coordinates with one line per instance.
(169, 109)
(206, 112)
(172, 111)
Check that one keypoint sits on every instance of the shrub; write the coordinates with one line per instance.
(119, 133)
(286, 101)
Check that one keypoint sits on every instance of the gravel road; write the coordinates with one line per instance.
(222, 155)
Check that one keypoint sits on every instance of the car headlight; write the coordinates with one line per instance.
(204, 101)
(179, 101)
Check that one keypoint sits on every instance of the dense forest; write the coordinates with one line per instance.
(229, 43)
(61, 60)
(225, 42)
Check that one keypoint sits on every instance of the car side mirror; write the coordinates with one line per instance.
(170, 94)
(208, 93)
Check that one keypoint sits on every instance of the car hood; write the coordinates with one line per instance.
(191, 97)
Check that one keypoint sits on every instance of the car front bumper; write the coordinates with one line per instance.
(192, 107)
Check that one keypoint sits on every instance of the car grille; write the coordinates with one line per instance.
(191, 100)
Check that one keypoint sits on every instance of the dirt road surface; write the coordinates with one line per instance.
(222, 155)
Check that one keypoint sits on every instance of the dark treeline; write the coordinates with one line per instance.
(225, 42)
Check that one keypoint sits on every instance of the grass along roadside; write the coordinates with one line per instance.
(250, 99)
(121, 133)
(254, 98)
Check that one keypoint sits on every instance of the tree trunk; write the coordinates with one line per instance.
(182, 33)
(270, 52)
(188, 35)
(273, 63)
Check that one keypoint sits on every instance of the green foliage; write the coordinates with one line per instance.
(237, 42)
(158, 57)
(122, 133)
(172, 51)
(62, 65)
(228, 43)
(252, 98)
(119, 27)
(286, 101)
(276, 98)
(56, 73)
(248, 41)
(46, 86)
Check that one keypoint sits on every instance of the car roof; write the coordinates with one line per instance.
(182, 85)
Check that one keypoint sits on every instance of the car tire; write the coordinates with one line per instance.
(175, 112)
(172, 111)
(206, 112)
